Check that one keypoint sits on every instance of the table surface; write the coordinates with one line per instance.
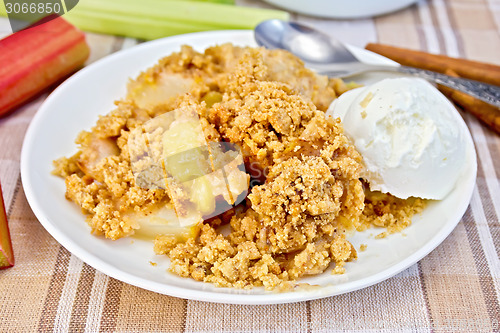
(456, 288)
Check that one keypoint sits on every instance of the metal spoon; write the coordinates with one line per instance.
(330, 57)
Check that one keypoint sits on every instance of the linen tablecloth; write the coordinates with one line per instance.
(456, 288)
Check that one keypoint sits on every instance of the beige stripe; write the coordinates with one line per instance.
(212, 317)
(141, 310)
(396, 304)
(398, 29)
(65, 306)
(473, 15)
(477, 27)
(96, 302)
(482, 45)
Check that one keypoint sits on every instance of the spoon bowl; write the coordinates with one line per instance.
(312, 46)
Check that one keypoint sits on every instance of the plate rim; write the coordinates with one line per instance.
(207, 295)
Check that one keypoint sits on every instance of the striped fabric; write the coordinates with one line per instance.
(456, 288)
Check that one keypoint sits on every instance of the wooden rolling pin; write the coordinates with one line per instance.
(468, 69)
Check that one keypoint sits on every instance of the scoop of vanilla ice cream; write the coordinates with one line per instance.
(410, 139)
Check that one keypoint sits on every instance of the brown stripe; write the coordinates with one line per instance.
(426, 295)
(309, 317)
(422, 39)
(184, 315)
(111, 305)
(14, 196)
(54, 291)
(82, 298)
(437, 28)
(485, 277)
(454, 28)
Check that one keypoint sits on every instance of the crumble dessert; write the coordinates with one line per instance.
(301, 174)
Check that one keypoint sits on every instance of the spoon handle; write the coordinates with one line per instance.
(486, 92)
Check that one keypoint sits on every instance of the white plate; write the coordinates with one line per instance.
(76, 105)
(342, 9)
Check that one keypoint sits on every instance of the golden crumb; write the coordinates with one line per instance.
(386, 211)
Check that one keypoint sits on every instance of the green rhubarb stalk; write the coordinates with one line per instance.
(6, 253)
(227, 2)
(113, 16)
(185, 11)
(3, 10)
(130, 26)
